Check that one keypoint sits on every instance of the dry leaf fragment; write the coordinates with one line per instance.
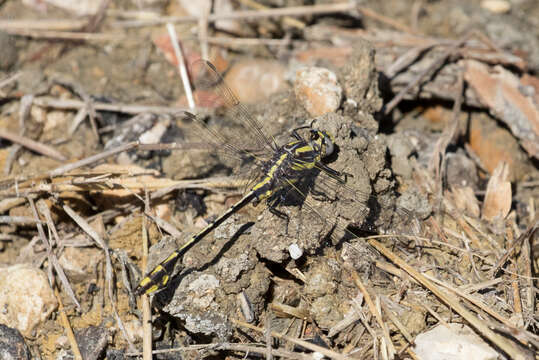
(498, 196)
(500, 90)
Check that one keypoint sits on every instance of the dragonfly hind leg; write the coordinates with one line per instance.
(272, 207)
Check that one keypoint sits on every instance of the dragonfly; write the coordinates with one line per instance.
(278, 172)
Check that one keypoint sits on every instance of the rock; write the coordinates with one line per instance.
(26, 298)
(8, 55)
(80, 263)
(134, 330)
(325, 311)
(115, 354)
(461, 171)
(295, 251)
(194, 302)
(229, 269)
(254, 81)
(12, 345)
(400, 147)
(456, 342)
(321, 279)
(317, 90)
(92, 341)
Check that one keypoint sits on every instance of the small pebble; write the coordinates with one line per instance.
(496, 6)
(254, 81)
(295, 251)
(317, 90)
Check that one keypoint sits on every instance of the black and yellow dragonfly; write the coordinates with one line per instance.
(280, 170)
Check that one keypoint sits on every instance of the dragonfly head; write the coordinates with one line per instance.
(323, 142)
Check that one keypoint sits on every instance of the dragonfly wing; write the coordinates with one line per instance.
(211, 90)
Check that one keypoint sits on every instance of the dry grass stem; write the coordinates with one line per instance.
(181, 66)
(246, 14)
(329, 353)
(505, 345)
(42, 24)
(72, 104)
(66, 35)
(145, 299)
(67, 326)
(53, 260)
(286, 19)
(32, 145)
(374, 311)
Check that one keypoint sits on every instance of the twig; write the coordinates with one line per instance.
(473, 300)
(32, 145)
(109, 272)
(429, 70)
(24, 115)
(24, 220)
(166, 226)
(404, 331)
(505, 345)
(527, 256)
(435, 315)
(329, 353)
(267, 335)
(286, 19)
(47, 24)
(71, 104)
(67, 327)
(527, 235)
(246, 14)
(10, 79)
(203, 31)
(375, 312)
(255, 348)
(181, 65)
(65, 35)
(53, 260)
(386, 20)
(146, 311)
(349, 318)
(250, 41)
(91, 159)
(517, 300)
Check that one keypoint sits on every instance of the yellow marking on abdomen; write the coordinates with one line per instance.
(172, 256)
(157, 269)
(145, 281)
(164, 281)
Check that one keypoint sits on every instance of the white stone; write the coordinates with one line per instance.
(496, 6)
(26, 299)
(456, 342)
(295, 251)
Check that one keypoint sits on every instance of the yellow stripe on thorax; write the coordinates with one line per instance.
(271, 172)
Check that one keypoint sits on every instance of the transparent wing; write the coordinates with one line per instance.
(210, 90)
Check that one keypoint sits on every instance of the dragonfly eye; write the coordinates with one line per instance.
(328, 142)
(323, 141)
